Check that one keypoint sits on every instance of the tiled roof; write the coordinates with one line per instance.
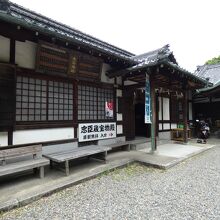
(160, 56)
(14, 13)
(153, 57)
(212, 72)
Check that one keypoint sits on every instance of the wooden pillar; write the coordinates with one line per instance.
(185, 114)
(12, 51)
(153, 116)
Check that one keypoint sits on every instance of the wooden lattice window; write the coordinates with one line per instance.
(60, 101)
(43, 100)
(92, 101)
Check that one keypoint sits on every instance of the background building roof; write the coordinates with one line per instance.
(211, 72)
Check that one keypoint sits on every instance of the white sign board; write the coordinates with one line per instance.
(96, 131)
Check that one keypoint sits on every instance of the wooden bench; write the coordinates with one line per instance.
(122, 144)
(91, 151)
(14, 160)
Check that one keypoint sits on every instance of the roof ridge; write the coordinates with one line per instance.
(68, 28)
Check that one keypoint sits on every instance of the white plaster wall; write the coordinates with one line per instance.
(119, 129)
(42, 135)
(119, 117)
(166, 126)
(4, 49)
(164, 135)
(160, 109)
(119, 93)
(25, 54)
(160, 126)
(104, 78)
(3, 139)
(173, 126)
(190, 111)
(166, 109)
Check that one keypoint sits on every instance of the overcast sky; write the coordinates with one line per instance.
(191, 27)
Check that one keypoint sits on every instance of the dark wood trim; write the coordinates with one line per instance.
(75, 131)
(120, 135)
(37, 125)
(46, 76)
(119, 122)
(165, 130)
(96, 121)
(75, 102)
(165, 121)
(10, 137)
(12, 51)
(96, 84)
(114, 104)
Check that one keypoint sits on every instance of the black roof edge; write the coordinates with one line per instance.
(119, 53)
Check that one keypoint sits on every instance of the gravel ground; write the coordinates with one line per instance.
(190, 190)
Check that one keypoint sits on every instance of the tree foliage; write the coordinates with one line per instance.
(214, 60)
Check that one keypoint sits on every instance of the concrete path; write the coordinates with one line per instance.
(21, 190)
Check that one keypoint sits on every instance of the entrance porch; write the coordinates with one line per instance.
(169, 84)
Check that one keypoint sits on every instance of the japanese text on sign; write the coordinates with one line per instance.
(96, 131)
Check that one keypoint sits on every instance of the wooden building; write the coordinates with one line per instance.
(206, 101)
(58, 84)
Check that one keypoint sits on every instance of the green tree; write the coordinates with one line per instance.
(214, 60)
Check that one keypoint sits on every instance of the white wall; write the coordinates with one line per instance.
(4, 49)
(119, 129)
(25, 54)
(119, 93)
(166, 126)
(173, 126)
(104, 78)
(42, 135)
(160, 108)
(3, 139)
(166, 109)
(119, 117)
